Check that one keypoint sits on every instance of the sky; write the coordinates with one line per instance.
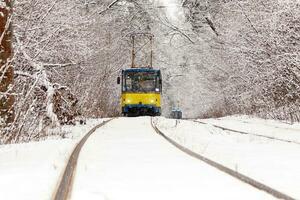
(173, 9)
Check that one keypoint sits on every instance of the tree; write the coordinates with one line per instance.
(259, 48)
(65, 67)
(6, 69)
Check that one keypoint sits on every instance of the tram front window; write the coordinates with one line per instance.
(141, 82)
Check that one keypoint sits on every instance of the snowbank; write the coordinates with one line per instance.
(271, 162)
(31, 171)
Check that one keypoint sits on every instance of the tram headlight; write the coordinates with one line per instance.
(127, 101)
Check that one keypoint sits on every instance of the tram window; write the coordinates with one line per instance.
(141, 81)
(128, 84)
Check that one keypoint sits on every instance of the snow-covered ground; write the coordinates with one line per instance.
(274, 163)
(127, 159)
(31, 171)
(272, 128)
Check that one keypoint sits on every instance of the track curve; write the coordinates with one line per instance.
(223, 168)
(65, 185)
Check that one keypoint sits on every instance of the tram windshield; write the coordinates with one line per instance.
(141, 82)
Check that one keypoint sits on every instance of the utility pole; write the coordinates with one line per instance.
(133, 53)
(6, 69)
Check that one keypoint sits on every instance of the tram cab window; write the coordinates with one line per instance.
(141, 82)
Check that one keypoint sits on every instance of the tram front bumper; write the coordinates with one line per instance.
(141, 108)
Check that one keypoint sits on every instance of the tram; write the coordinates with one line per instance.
(141, 88)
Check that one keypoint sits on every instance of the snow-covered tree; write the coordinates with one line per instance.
(6, 69)
(258, 44)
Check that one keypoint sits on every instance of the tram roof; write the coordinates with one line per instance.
(141, 70)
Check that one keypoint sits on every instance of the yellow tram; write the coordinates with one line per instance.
(141, 87)
(141, 92)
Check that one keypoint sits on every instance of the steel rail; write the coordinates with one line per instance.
(223, 168)
(269, 125)
(63, 192)
(247, 133)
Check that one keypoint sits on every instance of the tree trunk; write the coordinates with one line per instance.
(6, 69)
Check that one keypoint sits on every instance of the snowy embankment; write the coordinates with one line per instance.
(274, 163)
(270, 128)
(32, 170)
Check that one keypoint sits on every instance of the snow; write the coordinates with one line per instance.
(126, 159)
(271, 162)
(270, 128)
(2, 4)
(31, 171)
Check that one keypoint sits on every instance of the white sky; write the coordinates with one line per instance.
(173, 9)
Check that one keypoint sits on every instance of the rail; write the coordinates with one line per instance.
(223, 168)
(247, 133)
(63, 192)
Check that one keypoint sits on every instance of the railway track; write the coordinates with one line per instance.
(64, 189)
(269, 125)
(223, 168)
(247, 133)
